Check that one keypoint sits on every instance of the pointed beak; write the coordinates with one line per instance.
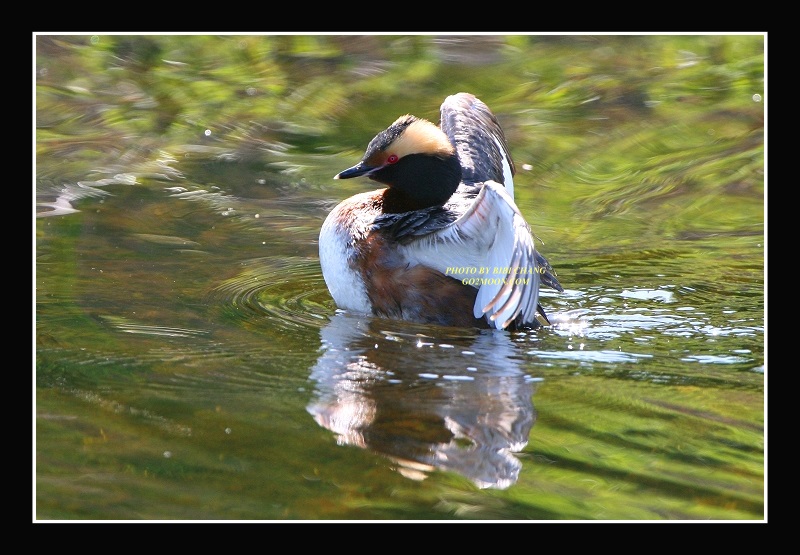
(359, 169)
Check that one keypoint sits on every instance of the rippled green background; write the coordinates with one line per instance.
(184, 336)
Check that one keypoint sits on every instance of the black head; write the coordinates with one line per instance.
(415, 159)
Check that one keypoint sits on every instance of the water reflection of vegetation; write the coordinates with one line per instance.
(258, 94)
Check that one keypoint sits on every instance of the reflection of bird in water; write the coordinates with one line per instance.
(466, 410)
(444, 243)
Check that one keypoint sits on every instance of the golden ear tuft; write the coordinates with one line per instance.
(422, 137)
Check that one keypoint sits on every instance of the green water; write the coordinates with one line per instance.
(191, 365)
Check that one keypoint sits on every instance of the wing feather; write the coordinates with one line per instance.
(479, 140)
(490, 246)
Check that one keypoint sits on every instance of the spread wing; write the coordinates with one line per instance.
(489, 246)
(478, 139)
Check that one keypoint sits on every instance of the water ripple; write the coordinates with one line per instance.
(108, 404)
(59, 200)
(591, 356)
(125, 325)
(610, 313)
(288, 291)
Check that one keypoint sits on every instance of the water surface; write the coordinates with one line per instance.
(191, 365)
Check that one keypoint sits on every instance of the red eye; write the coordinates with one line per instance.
(392, 159)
